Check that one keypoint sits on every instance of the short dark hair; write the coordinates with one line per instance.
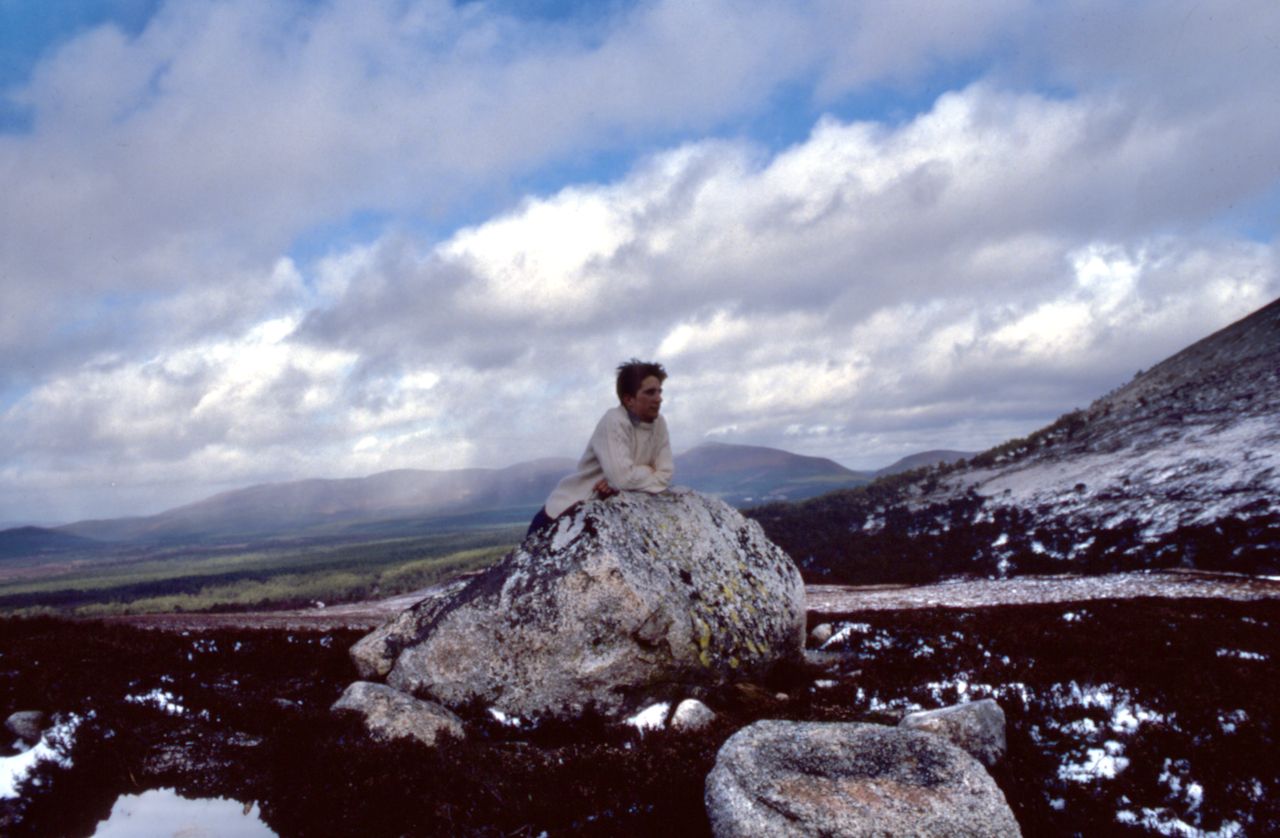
(633, 373)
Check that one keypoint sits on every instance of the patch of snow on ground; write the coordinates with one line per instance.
(54, 745)
(1241, 655)
(846, 630)
(161, 700)
(1097, 764)
(1164, 822)
(653, 717)
(504, 719)
(1174, 775)
(940, 690)
(922, 650)
(1230, 722)
(1127, 719)
(897, 706)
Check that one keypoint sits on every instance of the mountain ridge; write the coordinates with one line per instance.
(401, 499)
(1178, 467)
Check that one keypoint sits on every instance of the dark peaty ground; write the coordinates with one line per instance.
(1125, 717)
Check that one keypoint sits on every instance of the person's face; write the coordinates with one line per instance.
(647, 401)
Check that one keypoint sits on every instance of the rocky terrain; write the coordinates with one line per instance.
(1178, 468)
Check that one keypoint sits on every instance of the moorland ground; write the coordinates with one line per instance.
(1126, 716)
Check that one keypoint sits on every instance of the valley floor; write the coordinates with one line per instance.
(822, 599)
(1028, 590)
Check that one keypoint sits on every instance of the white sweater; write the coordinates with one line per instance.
(631, 455)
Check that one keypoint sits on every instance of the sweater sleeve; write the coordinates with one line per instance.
(664, 467)
(616, 451)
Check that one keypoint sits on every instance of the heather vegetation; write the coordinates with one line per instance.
(877, 535)
(1132, 717)
(275, 575)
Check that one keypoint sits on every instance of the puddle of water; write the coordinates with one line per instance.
(161, 813)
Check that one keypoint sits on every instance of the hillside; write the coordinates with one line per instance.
(39, 541)
(413, 501)
(1179, 467)
(745, 474)
(923, 460)
(330, 506)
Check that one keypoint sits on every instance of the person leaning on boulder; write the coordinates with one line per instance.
(629, 449)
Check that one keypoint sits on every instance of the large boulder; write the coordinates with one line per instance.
(778, 778)
(616, 602)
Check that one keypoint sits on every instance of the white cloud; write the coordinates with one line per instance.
(943, 279)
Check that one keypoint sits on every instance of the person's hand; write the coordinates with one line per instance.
(604, 490)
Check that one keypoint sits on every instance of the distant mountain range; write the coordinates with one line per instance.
(1179, 467)
(409, 501)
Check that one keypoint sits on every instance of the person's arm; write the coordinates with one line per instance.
(664, 467)
(614, 449)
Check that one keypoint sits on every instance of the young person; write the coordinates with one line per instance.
(629, 450)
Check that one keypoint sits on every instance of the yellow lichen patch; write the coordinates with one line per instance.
(733, 663)
(704, 634)
(705, 657)
(752, 647)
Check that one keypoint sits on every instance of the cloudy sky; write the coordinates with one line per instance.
(247, 241)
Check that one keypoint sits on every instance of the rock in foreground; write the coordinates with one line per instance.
(390, 714)
(978, 727)
(777, 778)
(618, 601)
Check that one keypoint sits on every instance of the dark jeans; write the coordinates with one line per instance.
(540, 522)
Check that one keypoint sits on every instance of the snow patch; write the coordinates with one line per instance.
(504, 719)
(54, 746)
(653, 717)
(161, 700)
(1097, 764)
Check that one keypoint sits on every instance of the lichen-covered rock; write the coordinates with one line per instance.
(391, 714)
(617, 601)
(777, 778)
(376, 652)
(978, 727)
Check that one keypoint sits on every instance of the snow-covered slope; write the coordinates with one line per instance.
(1181, 466)
(1193, 440)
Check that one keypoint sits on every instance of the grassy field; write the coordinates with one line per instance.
(270, 575)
